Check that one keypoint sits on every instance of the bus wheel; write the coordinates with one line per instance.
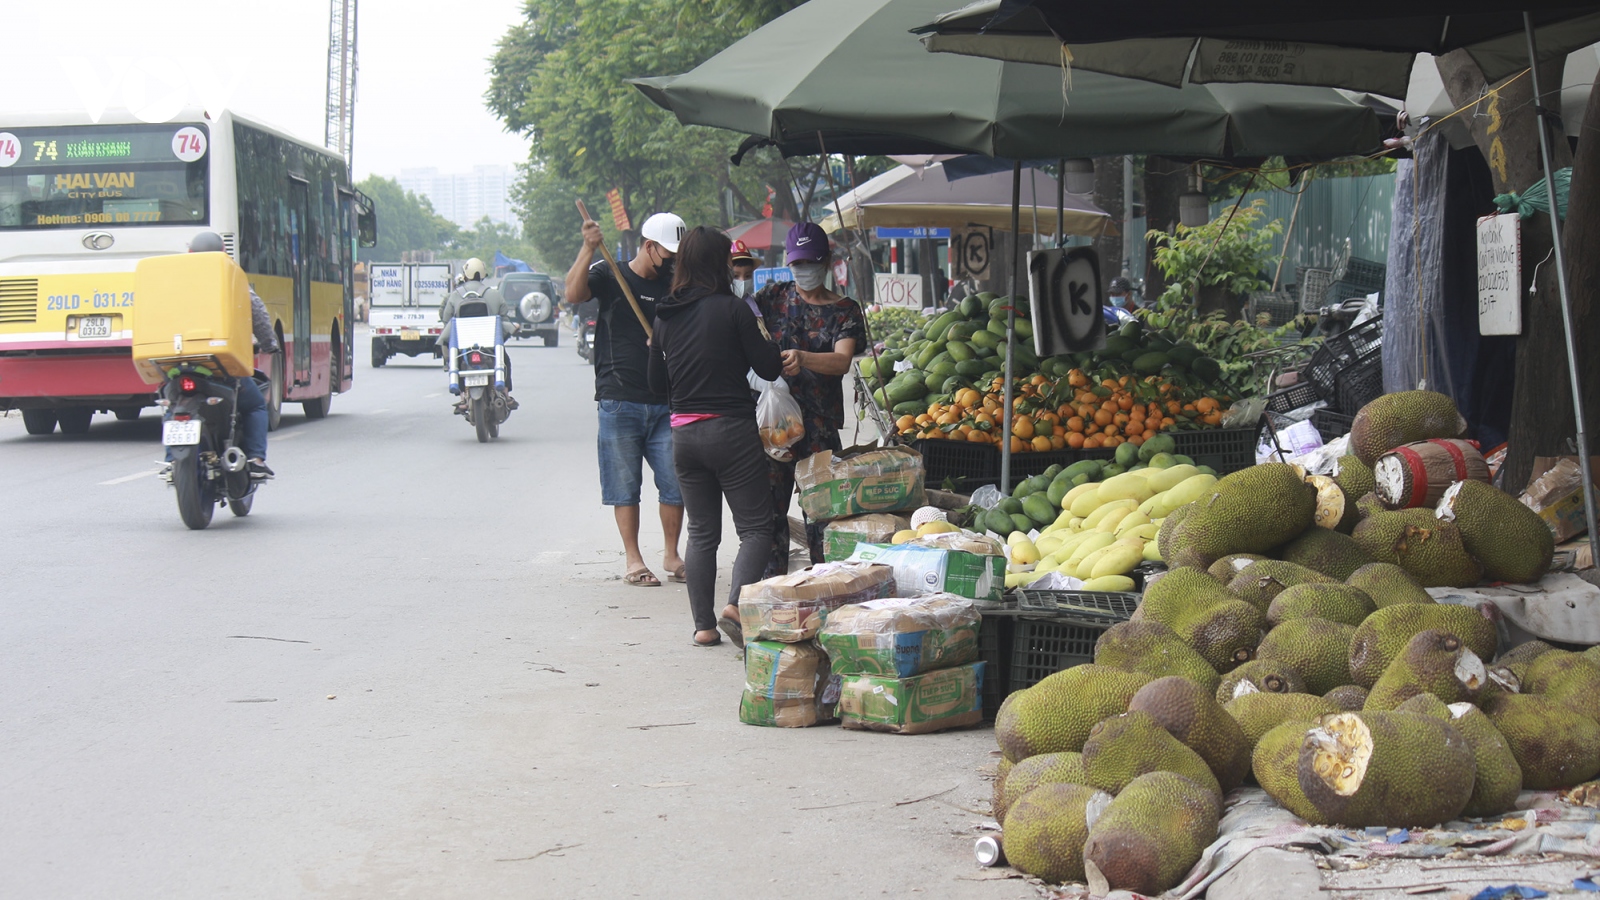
(75, 419)
(316, 409)
(275, 393)
(39, 421)
(127, 413)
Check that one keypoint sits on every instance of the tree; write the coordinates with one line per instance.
(406, 221)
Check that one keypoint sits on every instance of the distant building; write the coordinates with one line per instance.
(465, 198)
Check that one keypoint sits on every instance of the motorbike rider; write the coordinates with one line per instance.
(473, 272)
(252, 407)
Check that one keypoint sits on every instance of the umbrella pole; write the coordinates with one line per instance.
(1561, 282)
(1061, 203)
(1011, 330)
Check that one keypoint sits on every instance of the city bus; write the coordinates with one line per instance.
(81, 202)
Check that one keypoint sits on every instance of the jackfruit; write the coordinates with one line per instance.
(1151, 835)
(1125, 746)
(1055, 715)
(1386, 768)
(1258, 714)
(1047, 827)
(1260, 581)
(1403, 418)
(1046, 768)
(1429, 549)
(1224, 632)
(1190, 713)
(1388, 584)
(1569, 679)
(1316, 648)
(1149, 647)
(1250, 511)
(1226, 568)
(1385, 634)
(1593, 653)
(1499, 778)
(1002, 770)
(1518, 658)
(1555, 746)
(1433, 662)
(1275, 763)
(1349, 697)
(1329, 552)
(1181, 589)
(1265, 675)
(1170, 535)
(1426, 705)
(1334, 602)
(1510, 539)
(1367, 506)
(1354, 478)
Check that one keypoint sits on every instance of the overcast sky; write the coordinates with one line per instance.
(423, 68)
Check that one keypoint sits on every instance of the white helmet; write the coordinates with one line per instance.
(475, 270)
(665, 229)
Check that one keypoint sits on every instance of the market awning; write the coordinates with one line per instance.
(903, 197)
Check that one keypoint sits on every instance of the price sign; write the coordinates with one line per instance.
(1500, 274)
(189, 144)
(1064, 287)
(898, 290)
(10, 149)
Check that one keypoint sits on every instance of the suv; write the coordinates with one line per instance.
(531, 297)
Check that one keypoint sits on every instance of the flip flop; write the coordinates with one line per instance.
(641, 577)
(678, 574)
(732, 629)
(715, 643)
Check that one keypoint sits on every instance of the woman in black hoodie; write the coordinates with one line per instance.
(705, 342)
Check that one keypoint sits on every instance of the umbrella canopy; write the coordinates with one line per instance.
(761, 233)
(904, 198)
(850, 70)
(1361, 45)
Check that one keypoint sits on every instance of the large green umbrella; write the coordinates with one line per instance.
(851, 70)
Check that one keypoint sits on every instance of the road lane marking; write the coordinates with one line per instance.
(431, 396)
(288, 437)
(127, 478)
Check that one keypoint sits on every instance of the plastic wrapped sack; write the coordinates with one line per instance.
(901, 637)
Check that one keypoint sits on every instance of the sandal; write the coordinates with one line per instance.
(731, 627)
(679, 574)
(642, 577)
(696, 641)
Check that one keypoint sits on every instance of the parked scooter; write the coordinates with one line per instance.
(478, 368)
(200, 427)
(586, 338)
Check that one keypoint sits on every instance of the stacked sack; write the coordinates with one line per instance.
(907, 665)
(1293, 642)
(788, 681)
(863, 494)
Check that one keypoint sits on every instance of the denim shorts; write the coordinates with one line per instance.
(631, 433)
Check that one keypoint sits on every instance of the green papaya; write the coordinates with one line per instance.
(958, 351)
(986, 338)
(910, 408)
(1089, 467)
(1023, 491)
(1022, 522)
(960, 331)
(1131, 330)
(1150, 363)
(971, 368)
(969, 307)
(1009, 505)
(1116, 345)
(997, 327)
(1039, 508)
(929, 351)
(1024, 330)
(910, 385)
(942, 324)
(999, 522)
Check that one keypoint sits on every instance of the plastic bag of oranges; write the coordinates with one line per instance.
(778, 417)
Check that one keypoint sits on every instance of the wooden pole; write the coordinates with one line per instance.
(622, 282)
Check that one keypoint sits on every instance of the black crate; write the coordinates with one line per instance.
(1041, 647)
(994, 648)
(1360, 384)
(1027, 465)
(1339, 352)
(1364, 273)
(1331, 424)
(1223, 449)
(1279, 306)
(1292, 398)
(965, 462)
(1095, 609)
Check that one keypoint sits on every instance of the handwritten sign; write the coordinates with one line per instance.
(1500, 274)
(898, 290)
(1064, 288)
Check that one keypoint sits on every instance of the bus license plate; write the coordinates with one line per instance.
(94, 327)
(175, 433)
(408, 334)
(477, 380)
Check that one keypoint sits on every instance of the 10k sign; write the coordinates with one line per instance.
(897, 290)
(1500, 274)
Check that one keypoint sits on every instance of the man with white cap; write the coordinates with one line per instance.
(635, 422)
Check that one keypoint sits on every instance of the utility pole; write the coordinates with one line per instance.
(341, 109)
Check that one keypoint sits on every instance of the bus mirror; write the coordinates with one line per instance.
(367, 227)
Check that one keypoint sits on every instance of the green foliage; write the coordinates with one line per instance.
(406, 221)
(487, 236)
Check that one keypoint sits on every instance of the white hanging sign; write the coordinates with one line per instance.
(1500, 274)
(897, 290)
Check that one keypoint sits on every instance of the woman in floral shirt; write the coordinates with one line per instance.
(818, 332)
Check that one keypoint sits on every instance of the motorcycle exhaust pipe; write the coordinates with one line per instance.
(234, 460)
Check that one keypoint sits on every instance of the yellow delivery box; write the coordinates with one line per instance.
(191, 307)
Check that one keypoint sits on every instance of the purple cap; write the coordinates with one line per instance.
(807, 242)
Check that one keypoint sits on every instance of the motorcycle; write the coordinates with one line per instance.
(586, 338)
(200, 427)
(478, 368)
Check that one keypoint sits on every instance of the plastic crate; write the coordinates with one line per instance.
(1292, 398)
(1331, 424)
(1365, 273)
(1360, 384)
(1338, 353)
(994, 648)
(1314, 284)
(1223, 449)
(963, 461)
(1027, 465)
(1096, 609)
(1279, 306)
(1041, 647)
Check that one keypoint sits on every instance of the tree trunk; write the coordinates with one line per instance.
(1163, 183)
(1108, 196)
(1504, 127)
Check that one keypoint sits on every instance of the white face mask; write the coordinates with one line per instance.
(808, 276)
(743, 286)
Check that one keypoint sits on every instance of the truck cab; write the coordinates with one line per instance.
(404, 313)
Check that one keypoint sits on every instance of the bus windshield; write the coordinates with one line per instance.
(103, 175)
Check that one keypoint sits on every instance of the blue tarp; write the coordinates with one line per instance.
(504, 264)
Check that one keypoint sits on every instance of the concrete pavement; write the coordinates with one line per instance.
(506, 717)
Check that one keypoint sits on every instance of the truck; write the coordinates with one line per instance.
(404, 315)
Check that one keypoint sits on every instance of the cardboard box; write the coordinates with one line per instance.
(840, 537)
(859, 480)
(787, 685)
(1553, 493)
(933, 570)
(793, 607)
(191, 306)
(901, 637)
(934, 701)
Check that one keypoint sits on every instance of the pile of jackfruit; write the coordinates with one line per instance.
(1292, 643)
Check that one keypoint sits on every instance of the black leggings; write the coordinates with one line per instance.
(718, 458)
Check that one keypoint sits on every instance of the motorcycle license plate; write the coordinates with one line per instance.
(175, 433)
(408, 334)
(94, 327)
(476, 380)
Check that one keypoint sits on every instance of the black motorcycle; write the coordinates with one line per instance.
(200, 427)
(586, 338)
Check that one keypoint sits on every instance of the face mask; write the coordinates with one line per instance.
(664, 268)
(744, 286)
(808, 275)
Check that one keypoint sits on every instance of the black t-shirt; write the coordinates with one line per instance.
(621, 360)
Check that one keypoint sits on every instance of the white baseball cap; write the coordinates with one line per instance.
(665, 229)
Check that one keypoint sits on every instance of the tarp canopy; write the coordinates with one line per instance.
(903, 197)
